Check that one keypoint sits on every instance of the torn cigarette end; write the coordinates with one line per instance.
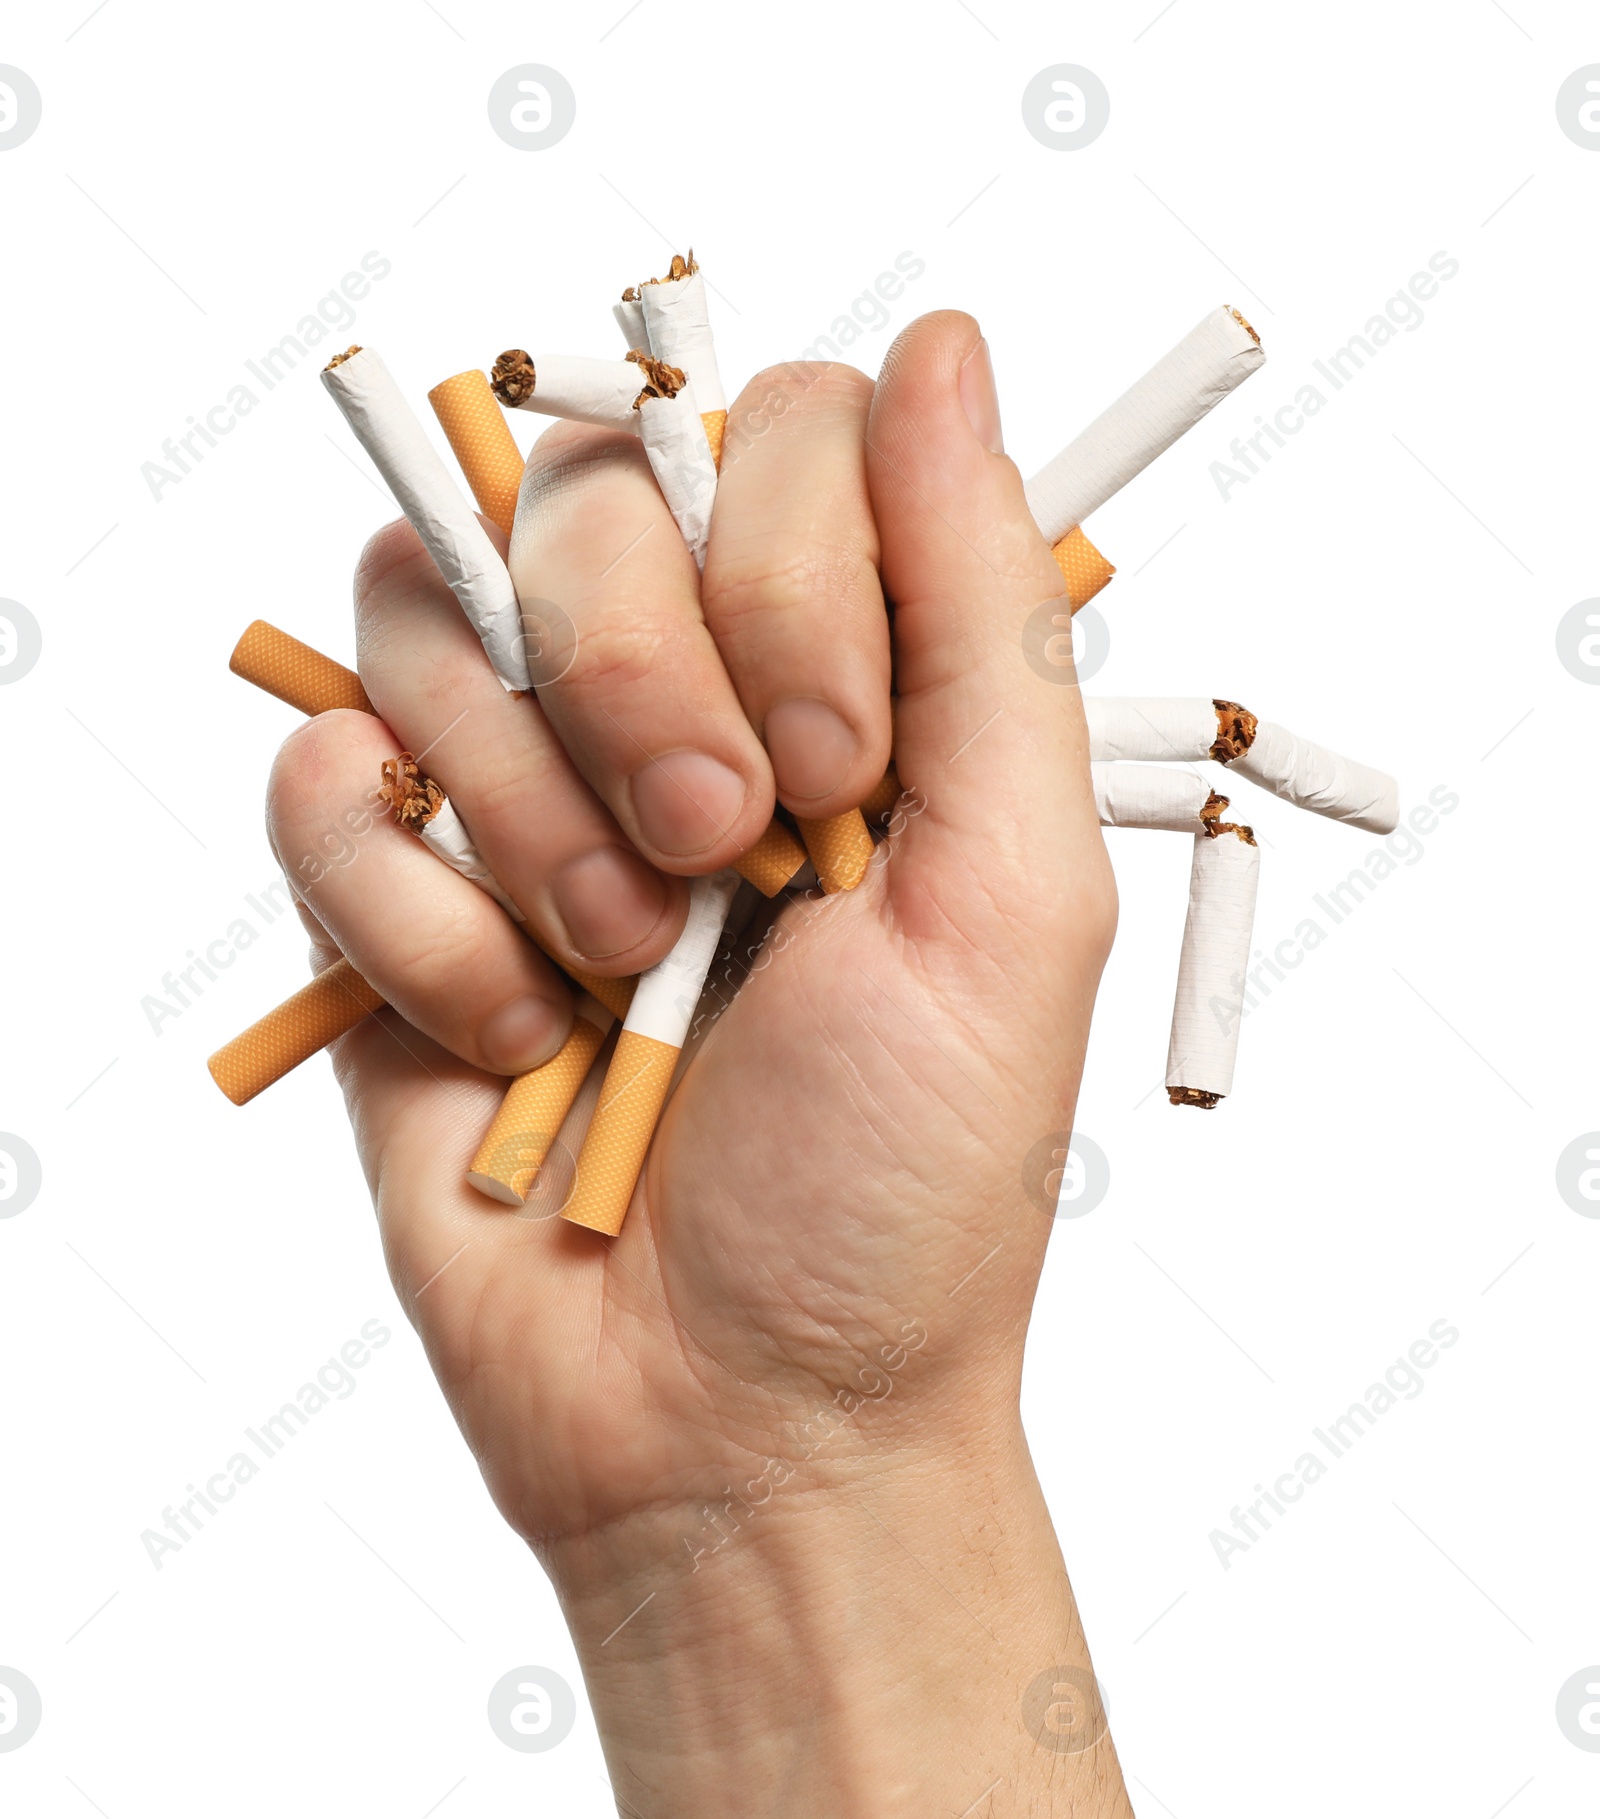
(512, 378)
(773, 860)
(660, 380)
(840, 848)
(415, 798)
(1192, 1095)
(475, 428)
(516, 1143)
(1083, 568)
(1211, 821)
(296, 673)
(339, 359)
(614, 1150)
(1244, 325)
(319, 1013)
(1236, 731)
(680, 268)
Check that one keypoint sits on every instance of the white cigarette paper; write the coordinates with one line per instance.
(570, 386)
(1152, 728)
(446, 835)
(1148, 727)
(679, 327)
(1144, 795)
(1312, 777)
(388, 429)
(630, 319)
(1214, 357)
(1211, 969)
(664, 1000)
(680, 459)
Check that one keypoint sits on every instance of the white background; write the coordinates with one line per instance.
(1390, 584)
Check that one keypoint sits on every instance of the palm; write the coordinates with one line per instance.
(794, 1226)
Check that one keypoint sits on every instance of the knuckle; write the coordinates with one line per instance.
(796, 581)
(619, 655)
(387, 552)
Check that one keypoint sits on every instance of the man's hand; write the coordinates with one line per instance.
(776, 1419)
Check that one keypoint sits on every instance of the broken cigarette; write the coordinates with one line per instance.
(296, 673)
(1218, 354)
(630, 318)
(636, 1083)
(475, 427)
(319, 1013)
(1216, 934)
(388, 429)
(570, 386)
(1310, 776)
(1208, 1006)
(516, 1144)
(678, 326)
(421, 807)
(679, 453)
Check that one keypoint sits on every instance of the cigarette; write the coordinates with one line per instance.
(296, 673)
(389, 431)
(421, 807)
(1218, 354)
(640, 1073)
(678, 325)
(1208, 1007)
(475, 427)
(840, 847)
(569, 385)
(679, 453)
(883, 797)
(1083, 568)
(630, 319)
(1147, 795)
(319, 1013)
(515, 1145)
(1310, 776)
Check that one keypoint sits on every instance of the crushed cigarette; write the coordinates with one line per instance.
(570, 386)
(1310, 776)
(1208, 1006)
(387, 428)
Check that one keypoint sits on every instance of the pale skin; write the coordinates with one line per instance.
(772, 1430)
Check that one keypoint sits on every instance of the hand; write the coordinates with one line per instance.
(782, 1406)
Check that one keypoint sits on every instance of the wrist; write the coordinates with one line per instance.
(866, 1639)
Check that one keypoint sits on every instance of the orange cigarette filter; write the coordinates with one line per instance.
(516, 1143)
(1083, 568)
(472, 420)
(883, 798)
(840, 849)
(716, 427)
(624, 1122)
(296, 673)
(319, 1013)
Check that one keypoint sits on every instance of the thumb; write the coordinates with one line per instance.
(993, 745)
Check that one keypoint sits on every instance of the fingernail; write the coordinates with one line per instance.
(978, 400)
(521, 1035)
(811, 747)
(608, 901)
(686, 802)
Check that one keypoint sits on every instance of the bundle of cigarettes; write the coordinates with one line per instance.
(667, 390)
